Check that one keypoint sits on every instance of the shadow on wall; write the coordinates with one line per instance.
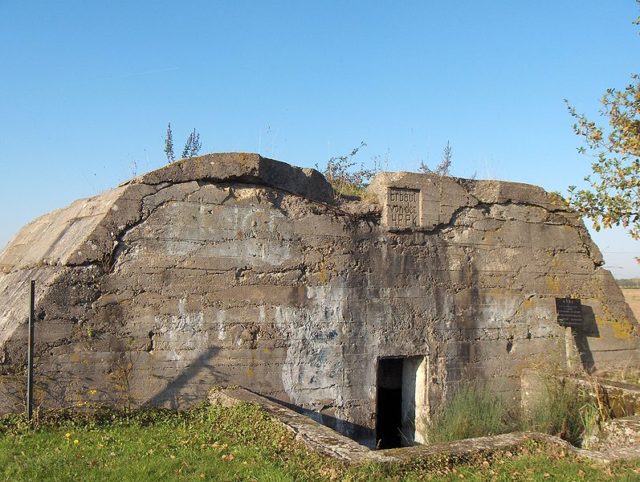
(581, 335)
(180, 390)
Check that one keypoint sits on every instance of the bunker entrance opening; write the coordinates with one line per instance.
(400, 401)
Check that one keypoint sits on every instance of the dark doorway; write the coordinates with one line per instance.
(389, 403)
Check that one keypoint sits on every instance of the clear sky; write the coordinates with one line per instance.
(87, 88)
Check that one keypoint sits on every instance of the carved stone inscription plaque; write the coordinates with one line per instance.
(403, 208)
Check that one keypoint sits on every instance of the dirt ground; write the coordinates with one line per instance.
(632, 295)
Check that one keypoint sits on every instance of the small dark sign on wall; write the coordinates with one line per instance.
(569, 311)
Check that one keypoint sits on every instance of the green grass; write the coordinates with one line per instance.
(238, 443)
(563, 410)
(207, 443)
(474, 411)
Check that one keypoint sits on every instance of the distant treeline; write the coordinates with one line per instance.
(629, 283)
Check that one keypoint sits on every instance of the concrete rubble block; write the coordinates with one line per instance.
(498, 192)
(244, 167)
(418, 201)
(615, 434)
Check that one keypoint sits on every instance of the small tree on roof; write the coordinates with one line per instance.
(442, 169)
(192, 146)
(168, 145)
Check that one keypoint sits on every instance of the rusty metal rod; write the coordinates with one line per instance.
(32, 303)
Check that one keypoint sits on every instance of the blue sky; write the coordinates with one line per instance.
(87, 88)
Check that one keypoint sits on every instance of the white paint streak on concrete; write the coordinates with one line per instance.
(181, 333)
(312, 373)
(220, 321)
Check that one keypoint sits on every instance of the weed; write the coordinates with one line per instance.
(347, 181)
(473, 411)
(565, 410)
(121, 376)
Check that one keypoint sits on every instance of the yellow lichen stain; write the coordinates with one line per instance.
(250, 373)
(323, 274)
(528, 304)
(489, 238)
(266, 350)
(552, 284)
(558, 263)
(622, 329)
(495, 294)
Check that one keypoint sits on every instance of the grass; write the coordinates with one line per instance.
(563, 410)
(206, 443)
(349, 191)
(474, 411)
(237, 443)
(632, 297)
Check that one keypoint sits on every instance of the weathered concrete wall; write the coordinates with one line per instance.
(237, 269)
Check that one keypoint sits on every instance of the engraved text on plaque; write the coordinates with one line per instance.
(403, 208)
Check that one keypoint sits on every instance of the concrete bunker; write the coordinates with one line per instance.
(234, 269)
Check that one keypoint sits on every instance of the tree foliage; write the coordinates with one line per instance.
(613, 195)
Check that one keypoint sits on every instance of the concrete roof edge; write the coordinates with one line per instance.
(243, 167)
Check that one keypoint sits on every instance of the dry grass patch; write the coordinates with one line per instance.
(632, 296)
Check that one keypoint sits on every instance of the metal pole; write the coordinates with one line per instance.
(32, 319)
